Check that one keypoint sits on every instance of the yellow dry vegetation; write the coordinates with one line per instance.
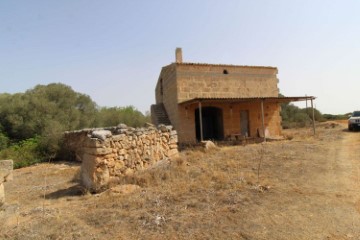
(303, 188)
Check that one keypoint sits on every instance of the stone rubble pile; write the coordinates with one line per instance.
(110, 153)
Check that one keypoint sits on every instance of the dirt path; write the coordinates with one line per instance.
(339, 183)
(316, 190)
(349, 159)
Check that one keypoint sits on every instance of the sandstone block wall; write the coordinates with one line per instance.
(210, 81)
(107, 154)
(179, 82)
(182, 81)
(231, 119)
(6, 174)
(166, 92)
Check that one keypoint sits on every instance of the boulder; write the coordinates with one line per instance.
(2, 194)
(122, 126)
(163, 128)
(6, 170)
(173, 153)
(6, 174)
(209, 145)
(101, 134)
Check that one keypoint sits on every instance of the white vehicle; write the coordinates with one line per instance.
(354, 121)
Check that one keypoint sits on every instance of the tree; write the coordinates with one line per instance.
(293, 116)
(32, 123)
(114, 115)
(4, 141)
(46, 111)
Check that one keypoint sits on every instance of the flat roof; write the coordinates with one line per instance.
(222, 65)
(250, 99)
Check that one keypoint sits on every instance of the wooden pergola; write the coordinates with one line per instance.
(260, 100)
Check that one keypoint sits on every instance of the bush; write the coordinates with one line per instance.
(114, 115)
(4, 141)
(336, 117)
(293, 116)
(36, 120)
(45, 111)
(317, 114)
(24, 153)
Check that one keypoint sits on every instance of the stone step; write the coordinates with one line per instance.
(159, 115)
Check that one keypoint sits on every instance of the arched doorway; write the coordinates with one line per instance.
(212, 123)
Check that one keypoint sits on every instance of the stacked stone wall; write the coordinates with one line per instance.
(108, 154)
(6, 174)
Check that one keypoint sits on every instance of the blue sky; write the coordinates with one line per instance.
(114, 50)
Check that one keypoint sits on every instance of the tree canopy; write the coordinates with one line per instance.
(43, 113)
(293, 116)
(112, 116)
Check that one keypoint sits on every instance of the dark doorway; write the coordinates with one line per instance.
(212, 122)
(244, 123)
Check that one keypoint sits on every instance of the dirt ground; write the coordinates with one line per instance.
(304, 188)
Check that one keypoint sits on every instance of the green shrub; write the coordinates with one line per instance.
(35, 121)
(4, 141)
(24, 153)
(114, 115)
(293, 116)
(336, 117)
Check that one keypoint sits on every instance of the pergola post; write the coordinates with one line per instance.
(262, 119)
(201, 123)
(313, 115)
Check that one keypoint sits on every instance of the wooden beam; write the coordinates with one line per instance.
(262, 119)
(313, 116)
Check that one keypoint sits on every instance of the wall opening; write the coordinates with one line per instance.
(212, 121)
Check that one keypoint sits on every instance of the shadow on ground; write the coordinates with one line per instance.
(73, 191)
(353, 131)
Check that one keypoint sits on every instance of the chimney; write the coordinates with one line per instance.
(178, 55)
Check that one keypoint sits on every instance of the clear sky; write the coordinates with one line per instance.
(113, 50)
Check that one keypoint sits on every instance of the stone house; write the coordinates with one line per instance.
(219, 101)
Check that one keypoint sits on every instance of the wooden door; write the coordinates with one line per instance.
(244, 123)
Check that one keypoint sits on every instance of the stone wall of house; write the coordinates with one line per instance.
(166, 92)
(108, 154)
(231, 119)
(6, 174)
(225, 81)
(179, 82)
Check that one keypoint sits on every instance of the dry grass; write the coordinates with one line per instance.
(300, 192)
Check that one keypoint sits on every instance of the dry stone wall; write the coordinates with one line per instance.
(6, 174)
(108, 154)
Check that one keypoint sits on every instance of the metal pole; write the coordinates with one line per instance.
(313, 115)
(262, 119)
(201, 123)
